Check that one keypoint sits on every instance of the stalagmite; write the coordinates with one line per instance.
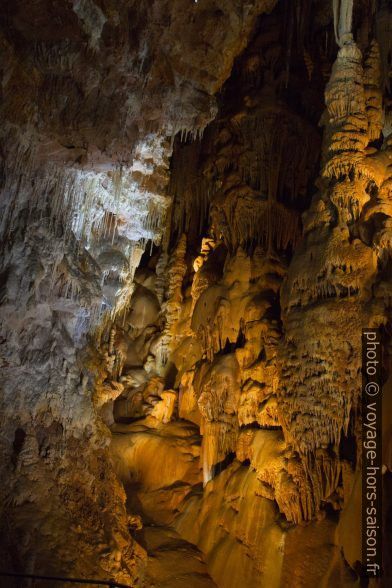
(175, 275)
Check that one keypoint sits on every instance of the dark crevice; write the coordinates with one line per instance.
(222, 465)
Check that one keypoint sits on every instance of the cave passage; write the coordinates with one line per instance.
(195, 229)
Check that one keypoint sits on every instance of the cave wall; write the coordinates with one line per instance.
(277, 259)
(92, 96)
(195, 226)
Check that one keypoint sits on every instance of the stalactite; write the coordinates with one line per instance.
(190, 191)
(256, 221)
(373, 95)
(333, 289)
(343, 13)
(345, 99)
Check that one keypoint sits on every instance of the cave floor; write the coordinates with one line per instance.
(172, 562)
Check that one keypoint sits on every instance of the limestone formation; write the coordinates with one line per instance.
(196, 224)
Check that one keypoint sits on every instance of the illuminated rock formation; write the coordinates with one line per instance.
(196, 223)
(92, 96)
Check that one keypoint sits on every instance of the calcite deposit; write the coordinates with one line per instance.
(196, 224)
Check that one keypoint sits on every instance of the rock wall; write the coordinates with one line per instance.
(187, 260)
(92, 95)
(268, 284)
